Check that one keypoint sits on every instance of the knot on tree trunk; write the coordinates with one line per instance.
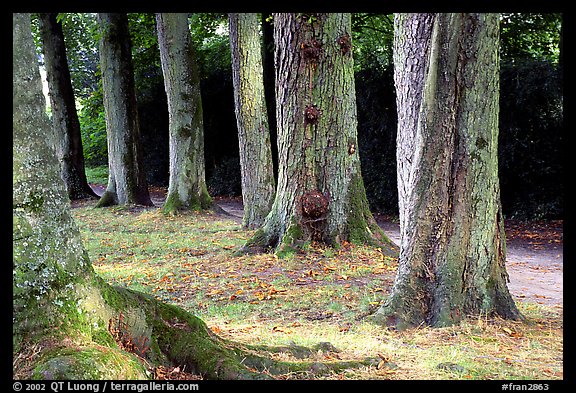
(311, 50)
(345, 43)
(314, 204)
(311, 114)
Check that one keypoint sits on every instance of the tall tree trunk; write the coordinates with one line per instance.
(67, 137)
(320, 194)
(452, 254)
(258, 184)
(187, 185)
(126, 180)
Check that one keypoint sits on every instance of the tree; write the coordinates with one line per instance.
(67, 321)
(452, 253)
(530, 36)
(187, 186)
(258, 184)
(320, 194)
(126, 179)
(67, 136)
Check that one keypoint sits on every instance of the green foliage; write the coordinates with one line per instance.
(372, 36)
(530, 118)
(211, 43)
(377, 137)
(530, 36)
(145, 55)
(81, 39)
(93, 129)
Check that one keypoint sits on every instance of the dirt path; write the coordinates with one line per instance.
(534, 251)
(534, 259)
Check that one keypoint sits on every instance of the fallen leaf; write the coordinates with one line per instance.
(281, 329)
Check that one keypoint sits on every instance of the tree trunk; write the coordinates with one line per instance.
(258, 184)
(126, 179)
(67, 137)
(452, 254)
(187, 185)
(320, 194)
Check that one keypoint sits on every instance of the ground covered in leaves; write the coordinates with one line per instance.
(310, 306)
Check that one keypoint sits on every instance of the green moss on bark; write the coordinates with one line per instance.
(196, 202)
(107, 199)
(88, 363)
(361, 226)
(292, 241)
(172, 204)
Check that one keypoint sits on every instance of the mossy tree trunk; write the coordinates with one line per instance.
(258, 184)
(126, 179)
(187, 184)
(452, 255)
(77, 326)
(320, 194)
(67, 136)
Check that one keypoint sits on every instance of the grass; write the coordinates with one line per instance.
(307, 299)
(97, 174)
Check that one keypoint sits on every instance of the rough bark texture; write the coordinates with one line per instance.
(126, 179)
(258, 184)
(320, 194)
(452, 254)
(187, 185)
(67, 137)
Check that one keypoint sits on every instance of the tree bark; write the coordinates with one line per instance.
(126, 180)
(320, 194)
(452, 253)
(258, 184)
(68, 139)
(187, 185)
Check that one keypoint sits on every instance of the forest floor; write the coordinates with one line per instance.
(534, 253)
(320, 299)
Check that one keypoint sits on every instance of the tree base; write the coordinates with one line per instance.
(203, 202)
(408, 309)
(107, 199)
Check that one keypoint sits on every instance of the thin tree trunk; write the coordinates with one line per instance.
(68, 139)
(258, 185)
(126, 180)
(452, 254)
(187, 185)
(320, 194)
